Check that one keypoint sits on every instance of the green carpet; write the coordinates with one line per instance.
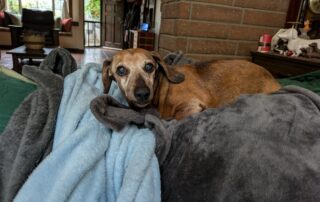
(12, 93)
(309, 81)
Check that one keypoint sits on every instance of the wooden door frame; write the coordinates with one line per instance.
(105, 23)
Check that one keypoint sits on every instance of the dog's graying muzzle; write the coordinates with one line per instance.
(141, 91)
(142, 94)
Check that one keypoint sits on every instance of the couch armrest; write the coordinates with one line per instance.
(16, 32)
(4, 29)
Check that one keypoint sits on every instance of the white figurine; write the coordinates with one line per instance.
(282, 47)
(295, 43)
(276, 38)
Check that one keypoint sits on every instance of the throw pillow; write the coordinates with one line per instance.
(66, 25)
(2, 19)
(7, 19)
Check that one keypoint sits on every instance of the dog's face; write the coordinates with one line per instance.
(135, 71)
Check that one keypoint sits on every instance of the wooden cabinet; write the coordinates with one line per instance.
(140, 39)
(282, 66)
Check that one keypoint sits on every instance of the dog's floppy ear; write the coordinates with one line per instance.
(172, 75)
(106, 77)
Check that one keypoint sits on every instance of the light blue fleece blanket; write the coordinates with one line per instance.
(89, 162)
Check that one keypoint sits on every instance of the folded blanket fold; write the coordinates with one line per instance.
(90, 162)
(259, 148)
(59, 61)
(28, 136)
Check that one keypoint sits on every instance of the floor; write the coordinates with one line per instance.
(96, 55)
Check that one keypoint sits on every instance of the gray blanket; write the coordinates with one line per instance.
(259, 148)
(28, 136)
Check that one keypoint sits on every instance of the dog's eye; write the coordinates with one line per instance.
(122, 71)
(149, 67)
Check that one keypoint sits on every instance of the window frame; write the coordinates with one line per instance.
(53, 7)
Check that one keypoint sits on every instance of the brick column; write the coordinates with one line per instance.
(211, 29)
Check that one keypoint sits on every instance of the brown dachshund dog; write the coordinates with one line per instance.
(145, 80)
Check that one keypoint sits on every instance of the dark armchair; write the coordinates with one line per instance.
(39, 21)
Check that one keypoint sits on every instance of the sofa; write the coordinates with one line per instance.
(7, 20)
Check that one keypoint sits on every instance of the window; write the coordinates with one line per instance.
(58, 4)
(15, 6)
(37, 4)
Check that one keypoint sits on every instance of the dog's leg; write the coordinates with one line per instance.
(187, 108)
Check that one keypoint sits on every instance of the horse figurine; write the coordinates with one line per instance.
(295, 43)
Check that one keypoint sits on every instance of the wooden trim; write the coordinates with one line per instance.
(65, 33)
(75, 50)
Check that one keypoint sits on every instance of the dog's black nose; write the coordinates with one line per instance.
(142, 94)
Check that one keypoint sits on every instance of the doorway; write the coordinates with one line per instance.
(121, 19)
(92, 23)
(114, 18)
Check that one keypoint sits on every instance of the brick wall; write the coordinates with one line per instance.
(208, 29)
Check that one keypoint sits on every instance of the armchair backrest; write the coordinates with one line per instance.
(37, 20)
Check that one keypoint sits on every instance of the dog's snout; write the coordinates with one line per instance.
(142, 94)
